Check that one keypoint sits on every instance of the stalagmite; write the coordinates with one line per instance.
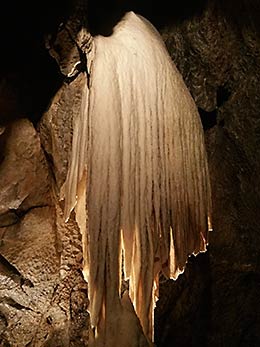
(138, 176)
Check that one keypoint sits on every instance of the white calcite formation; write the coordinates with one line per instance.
(137, 179)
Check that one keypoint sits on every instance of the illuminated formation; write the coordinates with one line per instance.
(138, 177)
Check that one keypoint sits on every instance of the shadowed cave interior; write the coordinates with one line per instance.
(216, 47)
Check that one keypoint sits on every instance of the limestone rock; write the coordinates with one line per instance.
(24, 174)
(218, 55)
(40, 258)
(55, 128)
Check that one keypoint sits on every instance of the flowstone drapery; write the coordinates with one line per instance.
(137, 175)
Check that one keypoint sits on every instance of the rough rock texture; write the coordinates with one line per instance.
(216, 303)
(55, 128)
(43, 298)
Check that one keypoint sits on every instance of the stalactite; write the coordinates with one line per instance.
(138, 176)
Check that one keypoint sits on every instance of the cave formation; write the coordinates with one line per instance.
(43, 297)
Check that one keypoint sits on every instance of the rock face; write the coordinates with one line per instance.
(216, 302)
(43, 298)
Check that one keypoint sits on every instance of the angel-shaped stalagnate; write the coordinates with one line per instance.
(138, 176)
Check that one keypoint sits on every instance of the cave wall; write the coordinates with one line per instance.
(43, 298)
(218, 54)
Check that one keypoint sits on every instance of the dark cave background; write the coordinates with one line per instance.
(216, 46)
